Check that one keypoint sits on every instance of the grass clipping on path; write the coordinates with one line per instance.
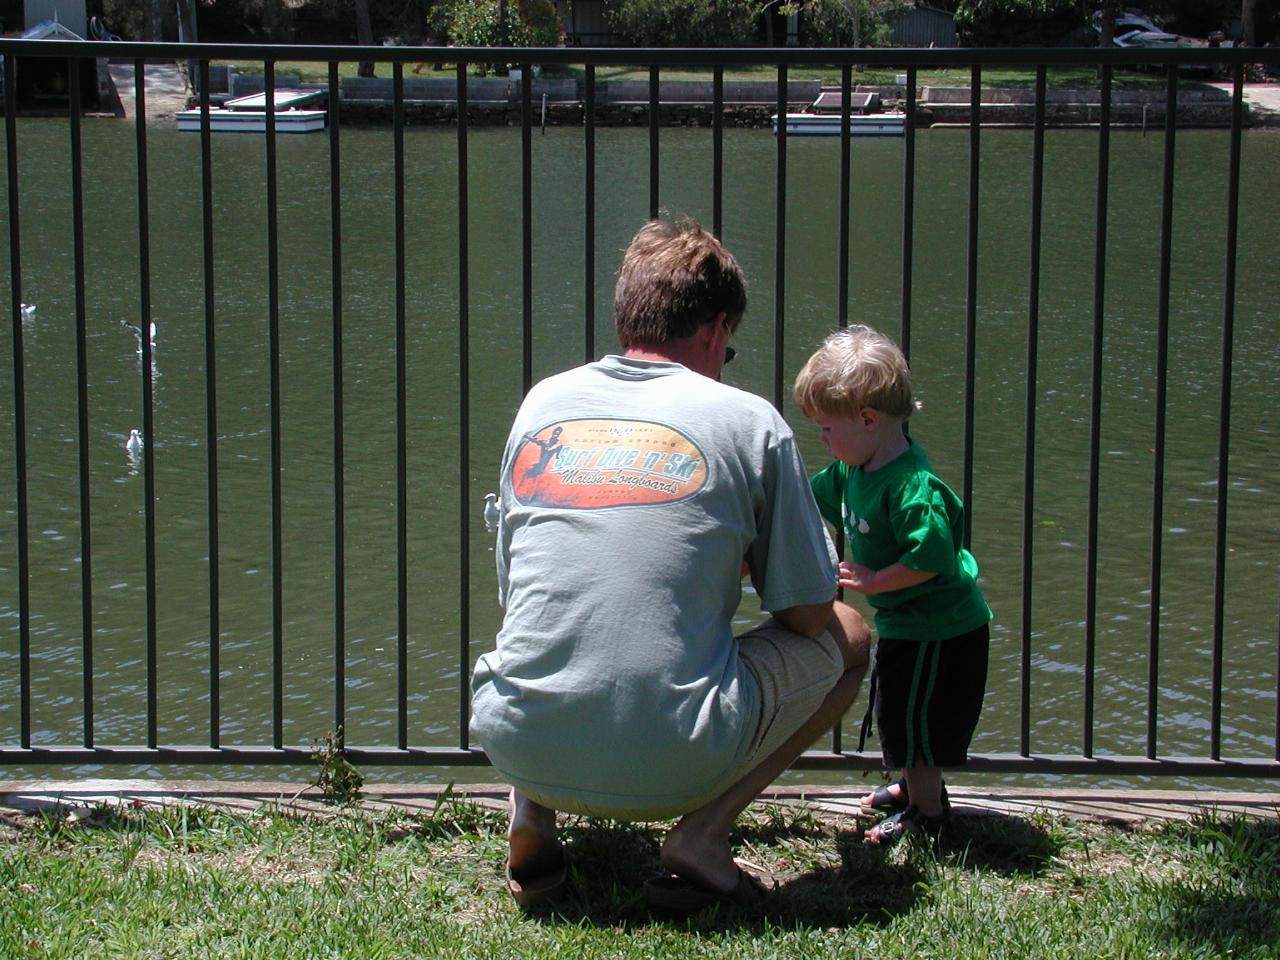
(187, 882)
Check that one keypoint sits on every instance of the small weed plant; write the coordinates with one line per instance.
(337, 778)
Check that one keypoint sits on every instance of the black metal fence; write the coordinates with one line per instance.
(17, 747)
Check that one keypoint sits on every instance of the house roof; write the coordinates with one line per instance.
(50, 30)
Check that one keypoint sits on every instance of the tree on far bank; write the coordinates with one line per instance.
(985, 23)
(686, 23)
(844, 23)
(364, 35)
(1107, 14)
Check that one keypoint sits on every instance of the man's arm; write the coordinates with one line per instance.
(809, 619)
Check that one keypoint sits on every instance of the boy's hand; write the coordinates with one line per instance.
(896, 576)
(854, 576)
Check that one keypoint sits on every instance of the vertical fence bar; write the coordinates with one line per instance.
(1162, 393)
(273, 313)
(971, 295)
(402, 443)
(780, 239)
(339, 416)
(1033, 349)
(908, 208)
(19, 405)
(526, 215)
(1095, 409)
(717, 151)
(842, 306)
(148, 425)
(846, 93)
(1224, 409)
(589, 196)
(654, 119)
(464, 431)
(210, 411)
(82, 404)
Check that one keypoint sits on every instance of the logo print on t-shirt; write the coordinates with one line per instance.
(590, 464)
(852, 521)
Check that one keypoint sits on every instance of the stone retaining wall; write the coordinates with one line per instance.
(441, 113)
(1005, 105)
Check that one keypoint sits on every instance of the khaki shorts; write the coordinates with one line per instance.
(793, 674)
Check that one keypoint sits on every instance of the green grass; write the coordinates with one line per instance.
(1057, 78)
(200, 883)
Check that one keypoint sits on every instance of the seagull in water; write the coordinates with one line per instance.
(137, 333)
(134, 443)
(28, 311)
(492, 512)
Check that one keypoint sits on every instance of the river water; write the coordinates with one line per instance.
(1057, 587)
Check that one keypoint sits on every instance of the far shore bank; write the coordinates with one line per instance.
(498, 101)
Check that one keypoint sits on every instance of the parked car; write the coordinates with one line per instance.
(1138, 31)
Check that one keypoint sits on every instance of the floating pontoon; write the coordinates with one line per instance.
(249, 114)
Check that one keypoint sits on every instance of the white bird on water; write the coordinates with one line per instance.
(134, 444)
(492, 512)
(137, 333)
(28, 311)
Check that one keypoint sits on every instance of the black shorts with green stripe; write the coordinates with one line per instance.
(929, 697)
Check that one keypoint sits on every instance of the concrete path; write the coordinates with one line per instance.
(1112, 806)
(166, 90)
(1262, 99)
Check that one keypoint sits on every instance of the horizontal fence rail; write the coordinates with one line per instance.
(26, 743)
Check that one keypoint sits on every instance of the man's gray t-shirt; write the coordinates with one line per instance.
(631, 493)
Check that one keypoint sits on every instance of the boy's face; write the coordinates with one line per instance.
(853, 441)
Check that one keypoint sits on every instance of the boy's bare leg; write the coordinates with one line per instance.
(924, 787)
(533, 846)
(697, 847)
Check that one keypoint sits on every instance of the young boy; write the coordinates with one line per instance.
(904, 527)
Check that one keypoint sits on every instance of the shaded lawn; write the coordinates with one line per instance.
(205, 883)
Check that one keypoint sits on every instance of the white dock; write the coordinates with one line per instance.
(248, 114)
(828, 125)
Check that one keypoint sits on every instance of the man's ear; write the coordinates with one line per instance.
(710, 330)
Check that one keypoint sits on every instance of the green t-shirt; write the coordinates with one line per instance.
(902, 513)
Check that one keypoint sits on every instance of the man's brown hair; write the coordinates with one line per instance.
(674, 276)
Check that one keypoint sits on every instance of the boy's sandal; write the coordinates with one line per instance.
(882, 798)
(892, 829)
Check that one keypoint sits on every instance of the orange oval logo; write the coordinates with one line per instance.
(590, 464)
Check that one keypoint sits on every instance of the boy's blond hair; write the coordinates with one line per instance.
(674, 277)
(854, 368)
